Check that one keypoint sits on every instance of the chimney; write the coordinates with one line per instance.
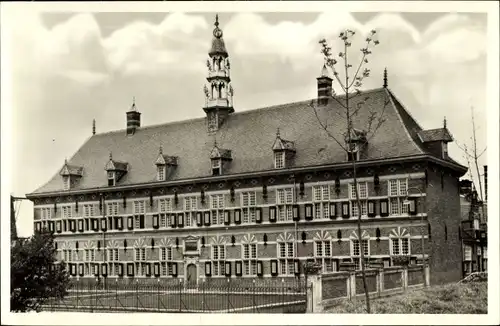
(485, 167)
(324, 87)
(133, 119)
(465, 187)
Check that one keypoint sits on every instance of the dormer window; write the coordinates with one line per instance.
(161, 172)
(220, 159)
(115, 170)
(111, 178)
(66, 182)
(284, 152)
(353, 153)
(279, 160)
(165, 165)
(70, 175)
(216, 167)
(355, 143)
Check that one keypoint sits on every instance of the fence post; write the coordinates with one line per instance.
(253, 295)
(180, 294)
(380, 281)
(314, 294)
(137, 294)
(404, 276)
(427, 275)
(352, 285)
(228, 290)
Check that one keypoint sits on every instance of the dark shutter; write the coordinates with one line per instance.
(104, 269)
(155, 221)
(371, 209)
(120, 269)
(157, 269)
(274, 267)
(227, 269)
(174, 269)
(130, 269)
(148, 269)
(65, 226)
(104, 224)
(199, 218)
(80, 269)
(208, 268)
(96, 269)
(180, 220)
(119, 222)
(72, 224)
(141, 221)
(227, 217)
(309, 212)
(333, 211)
(237, 216)
(260, 269)
(95, 224)
(130, 223)
(413, 206)
(384, 207)
(110, 223)
(272, 214)
(296, 213)
(258, 215)
(87, 225)
(296, 266)
(206, 219)
(51, 226)
(80, 225)
(238, 269)
(345, 210)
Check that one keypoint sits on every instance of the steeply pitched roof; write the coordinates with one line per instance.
(250, 136)
(440, 134)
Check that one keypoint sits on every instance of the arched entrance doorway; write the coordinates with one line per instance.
(191, 275)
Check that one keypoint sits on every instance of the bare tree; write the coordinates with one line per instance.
(474, 154)
(354, 137)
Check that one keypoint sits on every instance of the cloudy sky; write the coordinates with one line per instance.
(70, 68)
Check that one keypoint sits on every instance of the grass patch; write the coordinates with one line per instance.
(462, 298)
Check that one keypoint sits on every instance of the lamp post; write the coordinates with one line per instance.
(407, 202)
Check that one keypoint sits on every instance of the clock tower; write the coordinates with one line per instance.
(218, 90)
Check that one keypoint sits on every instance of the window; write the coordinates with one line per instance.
(279, 160)
(286, 253)
(355, 211)
(362, 190)
(394, 207)
(190, 206)
(139, 207)
(88, 210)
(248, 201)
(89, 255)
(165, 205)
(161, 172)
(113, 254)
(284, 201)
(398, 187)
(111, 178)
(321, 195)
(323, 255)
(467, 253)
(249, 258)
(140, 254)
(355, 248)
(400, 246)
(112, 209)
(217, 205)
(137, 222)
(166, 259)
(66, 182)
(216, 166)
(66, 211)
(45, 213)
(218, 257)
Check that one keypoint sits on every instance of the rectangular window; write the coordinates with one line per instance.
(137, 222)
(89, 255)
(216, 167)
(362, 190)
(467, 253)
(112, 209)
(66, 182)
(284, 196)
(405, 246)
(321, 197)
(113, 254)
(139, 207)
(88, 210)
(248, 202)
(161, 172)
(45, 213)
(165, 205)
(66, 211)
(140, 254)
(218, 257)
(190, 203)
(394, 206)
(166, 254)
(355, 248)
(279, 160)
(393, 188)
(217, 201)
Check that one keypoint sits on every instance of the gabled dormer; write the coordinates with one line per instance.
(356, 144)
(219, 158)
(284, 152)
(71, 174)
(165, 165)
(115, 170)
(436, 140)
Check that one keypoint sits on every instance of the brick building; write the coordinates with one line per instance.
(253, 194)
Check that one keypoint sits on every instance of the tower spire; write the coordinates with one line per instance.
(444, 122)
(93, 127)
(218, 91)
(385, 77)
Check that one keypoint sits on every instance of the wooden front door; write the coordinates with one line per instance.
(191, 275)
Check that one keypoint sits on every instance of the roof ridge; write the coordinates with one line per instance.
(248, 111)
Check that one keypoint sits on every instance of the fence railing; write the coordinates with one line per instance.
(205, 297)
(325, 290)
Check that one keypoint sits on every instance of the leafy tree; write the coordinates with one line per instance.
(34, 278)
(354, 137)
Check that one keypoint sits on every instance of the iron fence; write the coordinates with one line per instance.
(205, 297)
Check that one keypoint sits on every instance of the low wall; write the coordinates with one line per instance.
(326, 289)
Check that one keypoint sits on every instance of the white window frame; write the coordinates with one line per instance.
(218, 259)
(140, 254)
(249, 257)
(66, 182)
(321, 201)
(112, 208)
(398, 242)
(248, 201)
(286, 260)
(160, 172)
(467, 253)
(88, 210)
(217, 205)
(45, 213)
(190, 207)
(216, 164)
(112, 176)
(66, 211)
(113, 254)
(279, 160)
(284, 204)
(139, 207)
(324, 255)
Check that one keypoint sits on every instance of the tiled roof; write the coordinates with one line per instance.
(250, 136)
(435, 135)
